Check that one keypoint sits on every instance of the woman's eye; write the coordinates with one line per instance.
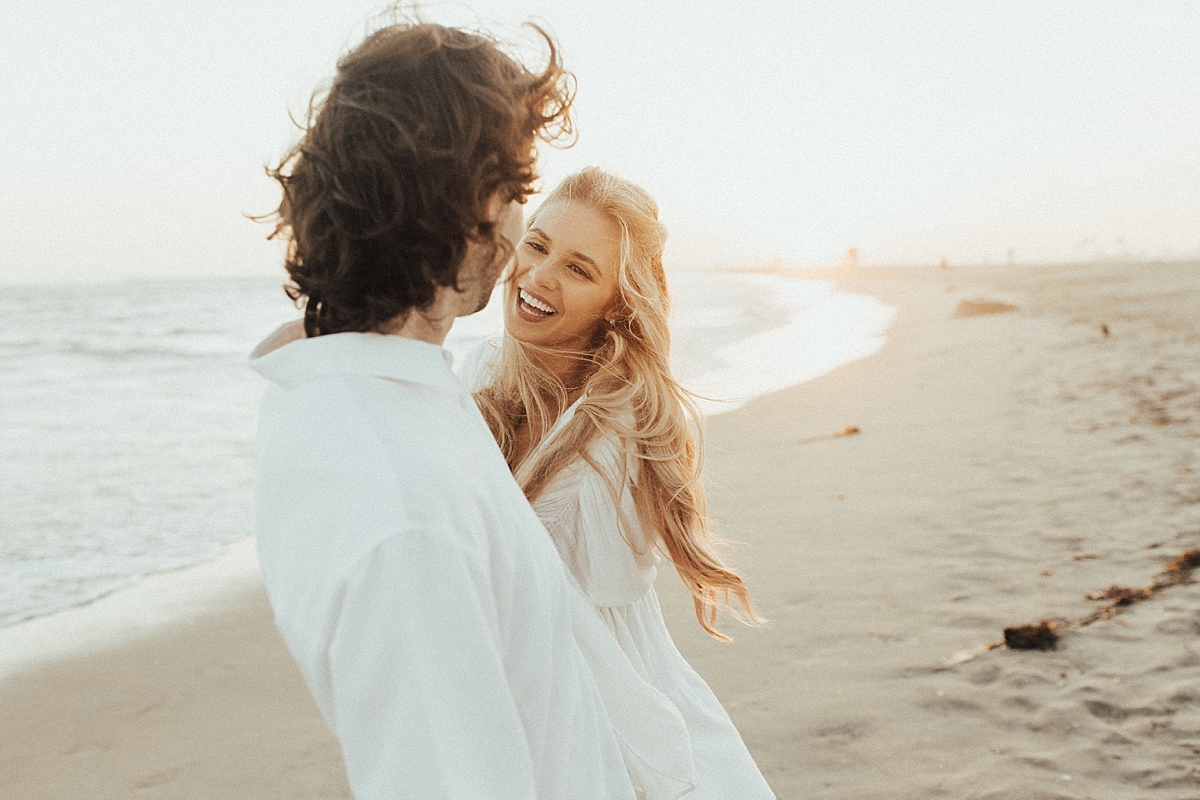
(578, 270)
(536, 246)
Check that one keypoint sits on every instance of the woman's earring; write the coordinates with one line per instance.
(611, 322)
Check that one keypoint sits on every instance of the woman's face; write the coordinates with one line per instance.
(565, 279)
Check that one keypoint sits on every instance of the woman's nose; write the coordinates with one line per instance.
(542, 271)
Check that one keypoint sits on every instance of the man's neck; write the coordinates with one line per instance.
(431, 324)
(428, 324)
(418, 325)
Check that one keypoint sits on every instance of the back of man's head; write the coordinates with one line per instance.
(422, 125)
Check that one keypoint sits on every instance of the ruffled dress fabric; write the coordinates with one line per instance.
(608, 552)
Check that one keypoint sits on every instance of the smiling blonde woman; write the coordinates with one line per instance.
(605, 445)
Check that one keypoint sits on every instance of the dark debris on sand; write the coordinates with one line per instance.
(1031, 637)
(1042, 636)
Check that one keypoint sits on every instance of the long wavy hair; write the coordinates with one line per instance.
(628, 392)
(421, 127)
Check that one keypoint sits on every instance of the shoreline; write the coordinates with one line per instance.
(152, 606)
(80, 630)
(1006, 465)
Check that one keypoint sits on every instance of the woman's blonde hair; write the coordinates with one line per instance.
(625, 368)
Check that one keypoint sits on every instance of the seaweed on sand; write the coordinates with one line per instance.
(1043, 636)
(1176, 572)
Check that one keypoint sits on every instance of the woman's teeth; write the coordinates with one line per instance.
(535, 304)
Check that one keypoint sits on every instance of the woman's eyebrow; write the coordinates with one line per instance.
(585, 258)
(576, 254)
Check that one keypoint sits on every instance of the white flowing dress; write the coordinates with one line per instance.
(615, 563)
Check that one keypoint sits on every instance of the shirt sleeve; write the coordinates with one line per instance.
(422, 705)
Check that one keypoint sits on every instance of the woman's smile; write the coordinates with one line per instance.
(532, 308)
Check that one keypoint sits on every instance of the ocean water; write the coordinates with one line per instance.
(127, 412)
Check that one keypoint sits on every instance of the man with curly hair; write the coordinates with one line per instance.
(416, 589)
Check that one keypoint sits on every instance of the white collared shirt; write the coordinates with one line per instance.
(423, 601)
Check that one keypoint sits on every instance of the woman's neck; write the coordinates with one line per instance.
(569, 370)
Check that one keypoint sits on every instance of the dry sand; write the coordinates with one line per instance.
(1006, 465)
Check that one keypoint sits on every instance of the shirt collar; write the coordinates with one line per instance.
(384, 356)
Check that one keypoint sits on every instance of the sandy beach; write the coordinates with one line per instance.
(1005, 465)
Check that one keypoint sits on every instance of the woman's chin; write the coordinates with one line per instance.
(543, 333)
(520, 331)
(541, 338)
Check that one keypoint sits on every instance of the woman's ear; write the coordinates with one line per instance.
(616, 313)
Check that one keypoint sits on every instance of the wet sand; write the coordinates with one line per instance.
(1008, 462)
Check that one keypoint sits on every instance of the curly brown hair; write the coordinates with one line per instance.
(421, 127)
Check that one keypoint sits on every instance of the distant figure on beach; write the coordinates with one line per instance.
(427, 608)
(605, 444)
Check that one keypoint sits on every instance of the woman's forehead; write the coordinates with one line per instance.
(576, 220)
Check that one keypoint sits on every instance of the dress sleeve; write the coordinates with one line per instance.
(476, 368)
(600, 537)
(422, 705)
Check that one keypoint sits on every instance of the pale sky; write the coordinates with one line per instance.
(133, 133)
